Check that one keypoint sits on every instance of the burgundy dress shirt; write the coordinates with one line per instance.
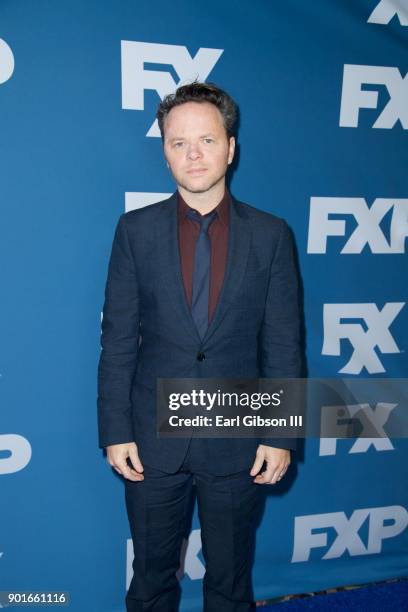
(188, 232)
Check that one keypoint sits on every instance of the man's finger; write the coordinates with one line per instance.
(266, 476)
(130, 474)
(127, 472)
(272, 473)
(258, 463)
(134, 458)
(282, 473)
(276, 475)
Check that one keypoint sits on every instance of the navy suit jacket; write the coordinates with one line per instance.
(148, 331)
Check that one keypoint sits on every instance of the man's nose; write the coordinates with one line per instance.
(194, 152)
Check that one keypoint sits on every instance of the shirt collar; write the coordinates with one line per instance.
(222, 208)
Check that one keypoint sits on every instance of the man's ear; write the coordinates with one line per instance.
(231, 149)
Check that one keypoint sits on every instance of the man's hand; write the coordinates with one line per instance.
(117, 455)
(277, 462)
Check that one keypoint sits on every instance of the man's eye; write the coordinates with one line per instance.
(178, 144)
(208, 140)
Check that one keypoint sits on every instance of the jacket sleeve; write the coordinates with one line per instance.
(280, 351)
(119, 342)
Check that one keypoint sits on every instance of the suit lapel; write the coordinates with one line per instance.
(169, 264)
(170, 269)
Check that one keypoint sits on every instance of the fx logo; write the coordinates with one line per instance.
(142, 69)
(347, 532)
(336, 419)
(19, 450)
(353, 98)
(6, 61)
(386, 9)
(368, 230)
(364, 339)
(190, 563)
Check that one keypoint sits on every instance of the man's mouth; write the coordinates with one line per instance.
(194, 171)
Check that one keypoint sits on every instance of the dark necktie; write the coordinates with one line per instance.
(201, 276)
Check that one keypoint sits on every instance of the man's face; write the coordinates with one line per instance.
(196, 146)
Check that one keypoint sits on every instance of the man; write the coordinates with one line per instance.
(199, 285)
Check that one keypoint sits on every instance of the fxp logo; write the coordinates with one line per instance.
(376, 524)
(6, 61)
(15, 453)
(144, 67)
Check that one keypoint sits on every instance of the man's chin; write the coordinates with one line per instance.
(199, 187)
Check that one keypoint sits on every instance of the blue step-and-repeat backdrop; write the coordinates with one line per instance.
(323, 92)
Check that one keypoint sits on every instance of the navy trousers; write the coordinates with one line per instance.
(158, 512)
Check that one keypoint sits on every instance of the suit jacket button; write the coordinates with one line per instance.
(200, 356)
